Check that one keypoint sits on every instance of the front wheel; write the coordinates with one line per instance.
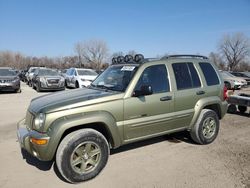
(82, 155)
(77, 84)
(206, 128)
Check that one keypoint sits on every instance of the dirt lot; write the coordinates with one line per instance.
(170, 161)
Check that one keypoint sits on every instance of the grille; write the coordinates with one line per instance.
(53, 81)
(5, 81)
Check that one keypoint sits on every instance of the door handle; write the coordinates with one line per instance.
(200, 92)
(166, 98)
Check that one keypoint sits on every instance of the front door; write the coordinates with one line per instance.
(151, 114)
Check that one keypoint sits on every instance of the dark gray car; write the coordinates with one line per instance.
(9, 80)
(47, 79)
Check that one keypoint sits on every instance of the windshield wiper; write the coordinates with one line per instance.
(105, 87)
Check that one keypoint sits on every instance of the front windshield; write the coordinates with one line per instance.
(47, 72)
(116, 78)
(7, 72)
(83, 72)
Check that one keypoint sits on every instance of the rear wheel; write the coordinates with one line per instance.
(232, 109)
(82, 155)
(206, 128)
(242, 109)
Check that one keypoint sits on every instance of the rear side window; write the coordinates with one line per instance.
(210, 74)
(186, 76)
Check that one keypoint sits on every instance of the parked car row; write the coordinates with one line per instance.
(243, 75)
(79, 78)
(9, 80)
(45, 79)
(234, 82)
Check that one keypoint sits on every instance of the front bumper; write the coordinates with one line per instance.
(9, 86)
(25, 135)
(85, 83)
(54, 87)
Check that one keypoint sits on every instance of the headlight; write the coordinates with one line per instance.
(39, 121)
(16, 79)
(83, 79)
(42, 80)
(62, 79)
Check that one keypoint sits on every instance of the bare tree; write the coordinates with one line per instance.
(132, 52)
(243, 66)
(94, 52)
(234, 48)
(217, 60)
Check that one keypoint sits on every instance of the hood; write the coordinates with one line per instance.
(87, 77)
(61, 100)
(233, 78)
(238, 79)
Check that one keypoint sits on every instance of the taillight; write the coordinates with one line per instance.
(225, 93)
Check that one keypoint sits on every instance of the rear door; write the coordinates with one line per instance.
(188, 91)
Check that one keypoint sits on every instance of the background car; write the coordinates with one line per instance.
(79, 78)
(29, 74)
(22, 75)
(242, 75)
(9, 80)
(47, 79)
(231, 81)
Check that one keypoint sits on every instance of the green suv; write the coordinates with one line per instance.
(134, 99)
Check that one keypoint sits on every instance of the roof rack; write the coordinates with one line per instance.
(137, 59)
(185, 56)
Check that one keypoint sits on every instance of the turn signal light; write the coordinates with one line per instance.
(38, 141)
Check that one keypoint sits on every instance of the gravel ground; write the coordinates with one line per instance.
(169, 161)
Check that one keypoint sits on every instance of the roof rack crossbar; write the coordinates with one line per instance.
(185, 56)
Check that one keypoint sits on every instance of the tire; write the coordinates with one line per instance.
(242, 109)
(232, 109)
(65, 83)
(79, 144)
(38, 88)
(77, 84)
(228, 85)
(206, 128)
(33, 86)
(18, 90)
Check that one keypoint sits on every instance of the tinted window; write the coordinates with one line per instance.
(195, 78)
(157, 77)
(209, 73)
(182, 76)
(186, 76)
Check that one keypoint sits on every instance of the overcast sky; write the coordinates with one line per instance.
(151, 27)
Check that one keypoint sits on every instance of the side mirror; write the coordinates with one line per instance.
(145, 90)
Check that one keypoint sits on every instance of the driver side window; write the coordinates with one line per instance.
(155, 76)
